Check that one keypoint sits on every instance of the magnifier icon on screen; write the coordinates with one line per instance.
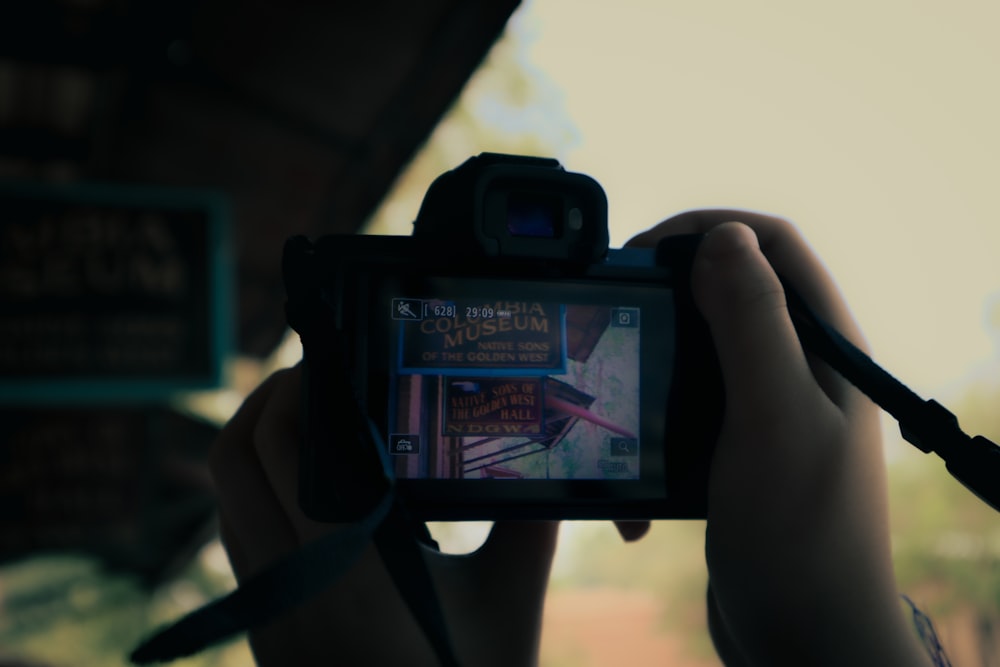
(624, 447)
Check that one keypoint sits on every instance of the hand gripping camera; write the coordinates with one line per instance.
(503, 363)
(511, 364)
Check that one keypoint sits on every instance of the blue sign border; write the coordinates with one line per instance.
(96, 389)
(487, 371)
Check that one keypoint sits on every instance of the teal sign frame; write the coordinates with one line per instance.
(112, 292)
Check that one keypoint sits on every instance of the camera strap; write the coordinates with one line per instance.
(308, 572)
(260, 598)
(926, 424)
(312, 569)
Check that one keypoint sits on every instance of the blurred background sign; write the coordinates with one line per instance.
(111, 293)
(300, 114)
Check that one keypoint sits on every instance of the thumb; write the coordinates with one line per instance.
(518, 551)
(525, 544)
(764, 368)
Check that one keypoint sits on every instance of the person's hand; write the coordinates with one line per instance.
(492, 599)
(797, 543)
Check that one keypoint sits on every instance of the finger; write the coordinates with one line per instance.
(763, 365)
(632, 531)
(511, 570)
(250, 511)
(722, 639)
(276, 438)
(786, 250)
(511, 541)
(791, 257)
(773, 403)
(234, 550)
(521, 550)
(238, 430)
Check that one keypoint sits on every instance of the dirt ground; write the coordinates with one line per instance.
(607, 627)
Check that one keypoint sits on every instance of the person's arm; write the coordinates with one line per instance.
(797, 542)
(492, 599)
(797, 545)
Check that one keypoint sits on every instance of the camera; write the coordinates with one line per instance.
(502, 362)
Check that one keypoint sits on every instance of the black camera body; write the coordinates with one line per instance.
(502, 362)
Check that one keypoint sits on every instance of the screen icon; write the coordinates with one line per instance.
(404, 443)
(407, 309)
(625, 318)
(624, 447)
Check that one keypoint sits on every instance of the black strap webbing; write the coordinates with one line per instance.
(927, 425)
(258, 599)
(310, 571)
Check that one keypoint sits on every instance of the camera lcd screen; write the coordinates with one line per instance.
(499, 380)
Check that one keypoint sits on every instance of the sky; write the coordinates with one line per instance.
(872, 125)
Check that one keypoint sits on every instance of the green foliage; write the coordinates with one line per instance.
(946, 540)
